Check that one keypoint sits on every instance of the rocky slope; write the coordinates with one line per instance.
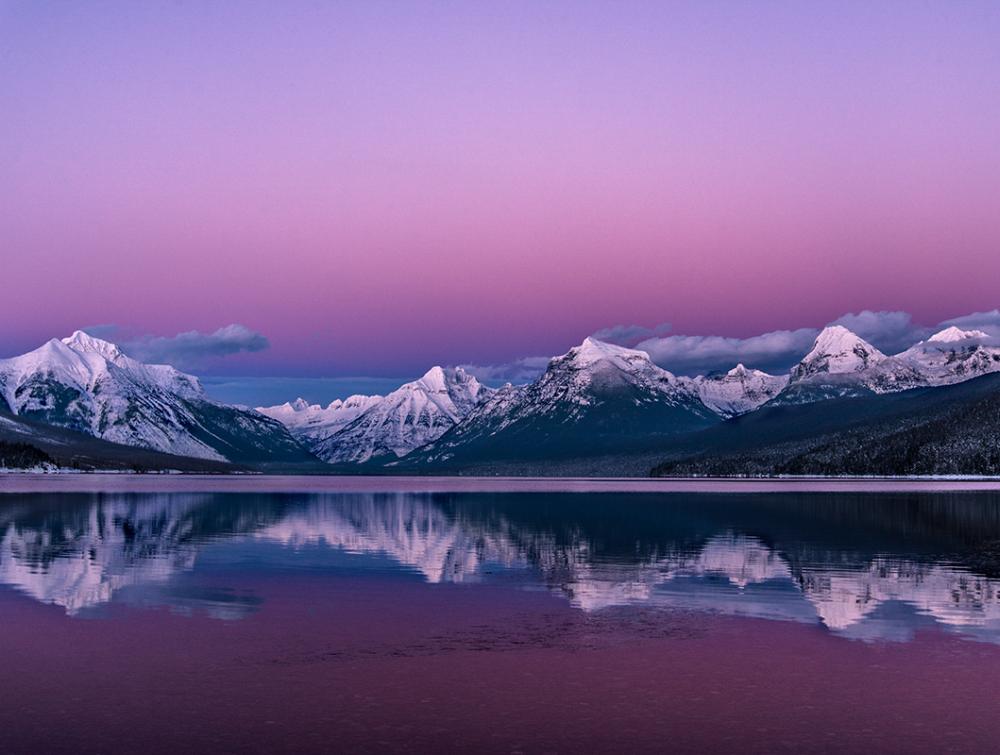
(595, 398)
(363, 428)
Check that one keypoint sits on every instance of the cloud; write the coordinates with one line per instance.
(891, 332)
(188, 349)
(518, 372)
(692, 355)
(630, 335)
(988, 322)
(779, 350)
(268, 391)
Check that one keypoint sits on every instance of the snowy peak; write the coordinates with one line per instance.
(739, 391)
(88, 385)
(361, 427)
(952, 334)
(311, 423)
(592, 351)
(450, 380)
(838, 351)
(595, 364)
(953, 355)
(85, 343)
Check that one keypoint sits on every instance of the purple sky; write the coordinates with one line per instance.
(376, 187)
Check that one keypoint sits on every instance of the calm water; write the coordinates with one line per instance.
(538, 620)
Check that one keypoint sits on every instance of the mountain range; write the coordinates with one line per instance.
(845, 408)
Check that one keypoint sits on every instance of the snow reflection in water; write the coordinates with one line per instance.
(865, 566)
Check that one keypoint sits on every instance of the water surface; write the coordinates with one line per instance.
(437, 615)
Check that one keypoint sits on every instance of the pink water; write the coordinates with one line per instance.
(345, 615)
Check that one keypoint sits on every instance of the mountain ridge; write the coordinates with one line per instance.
(597, 401)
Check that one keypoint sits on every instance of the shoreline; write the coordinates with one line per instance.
(99, 481)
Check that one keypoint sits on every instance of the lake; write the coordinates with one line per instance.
(173, 613)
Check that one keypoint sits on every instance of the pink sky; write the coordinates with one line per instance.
(379, 187)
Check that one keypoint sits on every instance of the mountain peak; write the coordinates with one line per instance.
(838, 350)
(439, 379)
(435, 378)
(84, 342)
(592, 350)
(952, 334)
(738, 371)
(836, 337)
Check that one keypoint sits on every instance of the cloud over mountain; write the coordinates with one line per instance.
(690, 355)
(630, 335)
(518, 372)
(191, 348)
(985, 321)
(891, 332)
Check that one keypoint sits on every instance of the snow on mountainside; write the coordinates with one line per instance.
(365, 427)
(954, 355)
(739, 391)
(312, 423)
(838, 351)
(596, 396)
(88, 385)
(842, 364)
(952, 334)
(593, 365)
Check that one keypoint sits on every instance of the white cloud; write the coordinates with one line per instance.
(630, 335)
(891, 332)
(988, 322)
(691, 355)
(189, 349)
(518, 372)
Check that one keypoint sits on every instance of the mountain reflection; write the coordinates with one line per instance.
(867, 566)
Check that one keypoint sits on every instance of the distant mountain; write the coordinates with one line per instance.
(738, 391)
(945, 430)
(606, 409)
(364, 428)
(598, 409)
(842, 364)
(594, 399)
(312, 423)
(953, 355)
(88, 386)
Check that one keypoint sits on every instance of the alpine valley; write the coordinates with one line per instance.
(845, 409)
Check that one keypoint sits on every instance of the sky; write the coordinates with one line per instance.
(370, 188)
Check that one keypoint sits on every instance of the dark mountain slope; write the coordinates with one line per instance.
(595, 401)
(947, 430)
(71, 449)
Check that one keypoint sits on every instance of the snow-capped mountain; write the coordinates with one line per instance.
(596, 396)
(88, 385)
(954, 355)
(837, 351)
(842, 364)
(312, 423)
(738, 391)
(361, 428)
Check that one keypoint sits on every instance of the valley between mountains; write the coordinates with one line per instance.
(845, 409)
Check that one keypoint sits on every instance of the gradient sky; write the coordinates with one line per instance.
(377, 187)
